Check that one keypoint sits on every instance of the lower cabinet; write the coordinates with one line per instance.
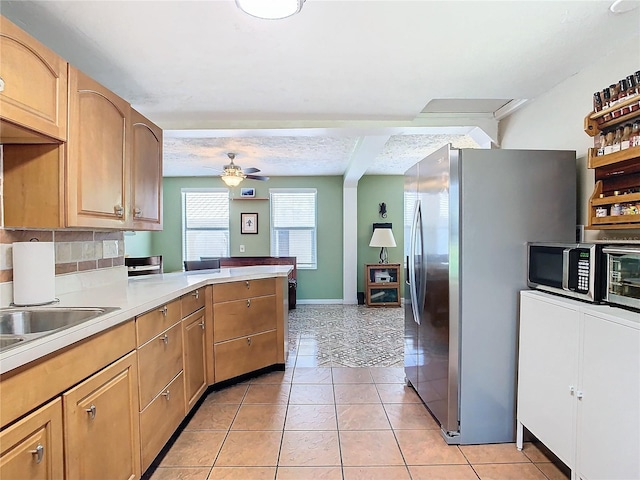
(102, 437)
(243, 355)
(160, 419)
(579, 384)
(195, 363)
(32, 448)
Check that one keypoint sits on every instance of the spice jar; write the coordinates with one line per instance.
(617, 139)
(616, 210)
(634, 140)
(626, 136)
(606, 103)
(614, 91)
(633, 90)
(608, 144)
(622, 96)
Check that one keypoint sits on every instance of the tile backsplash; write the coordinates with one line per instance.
(76, 250)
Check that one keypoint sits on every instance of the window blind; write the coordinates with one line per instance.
(205, 223)
(293, 225)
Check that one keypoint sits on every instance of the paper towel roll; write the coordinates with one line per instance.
(34, 273)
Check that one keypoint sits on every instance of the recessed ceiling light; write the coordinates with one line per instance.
(623, 6)
(270, 9)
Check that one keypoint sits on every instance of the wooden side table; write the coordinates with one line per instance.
(383, 284)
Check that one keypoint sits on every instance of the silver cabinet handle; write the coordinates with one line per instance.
(165, 339)
(137, 212)
(166, 395)
(249, 340)
(195, 294)
(38, 452)
(579, 394)
(247, 283)
(201, 325)
(164, 310)
(1, 85)
(91, 411)
(572, 389)
(119, 211)
(248, 303)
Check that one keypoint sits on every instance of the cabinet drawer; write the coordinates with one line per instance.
(224, 292)
(192, 301)
(160, 419)
(159, 360)
(150, 324)
(243, 317)
(39, 432)
(244, 355)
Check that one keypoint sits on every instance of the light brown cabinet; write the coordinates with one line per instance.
(146, 174)
(32, 448)
(244, 327)
(102, 438)
(195, 367)
(33, 97)
(97, 154)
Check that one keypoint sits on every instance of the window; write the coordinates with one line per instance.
(205, 223)
(293, 225)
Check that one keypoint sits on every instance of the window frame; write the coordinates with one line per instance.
(183, 209)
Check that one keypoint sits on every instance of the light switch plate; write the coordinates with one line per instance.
(241, 248)
(109, 248)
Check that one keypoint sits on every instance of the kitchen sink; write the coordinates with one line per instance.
(24, 324)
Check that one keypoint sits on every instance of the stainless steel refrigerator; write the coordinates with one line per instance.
(468, 216)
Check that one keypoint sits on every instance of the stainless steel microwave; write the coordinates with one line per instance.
(622, 280)
(570, 269)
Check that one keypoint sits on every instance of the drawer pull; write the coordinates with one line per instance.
(249, 341)
(38, 452)
(579, 394)
(247, 283)
(164, 310)
(118, 210)
(201, 325)
(248, 303)
(137, 213)
(166, 395)
(195, 294)
(165, 339)
(91, 411)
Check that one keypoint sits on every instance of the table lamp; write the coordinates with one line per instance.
(383, 237)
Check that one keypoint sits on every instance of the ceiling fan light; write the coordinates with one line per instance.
(232, 180)
(270, 9)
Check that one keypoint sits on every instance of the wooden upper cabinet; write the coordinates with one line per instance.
(97, 154)
(146, 173)
(33, 91)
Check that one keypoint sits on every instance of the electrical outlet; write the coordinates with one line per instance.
(109, 248)
(241, 248)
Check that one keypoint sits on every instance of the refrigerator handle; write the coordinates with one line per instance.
(412, 266)
(406, 273)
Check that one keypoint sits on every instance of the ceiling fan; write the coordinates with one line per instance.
(233, 174)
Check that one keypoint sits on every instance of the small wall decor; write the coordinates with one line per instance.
(249, 223)
(248, 192)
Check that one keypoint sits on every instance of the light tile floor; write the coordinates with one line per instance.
(325, 422)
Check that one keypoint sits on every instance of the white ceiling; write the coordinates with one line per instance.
(344, 87)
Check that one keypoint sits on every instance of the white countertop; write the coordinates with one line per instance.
(615, 314)
(133, 297)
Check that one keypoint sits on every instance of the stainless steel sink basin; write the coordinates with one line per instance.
(24, 324)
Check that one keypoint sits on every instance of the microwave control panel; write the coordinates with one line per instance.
(584, 267)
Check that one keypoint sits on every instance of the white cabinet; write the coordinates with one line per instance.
(609, 408)
(579, 384)
(547, 370)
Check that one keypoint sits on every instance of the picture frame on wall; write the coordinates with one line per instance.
(249, 223)
(249, 192)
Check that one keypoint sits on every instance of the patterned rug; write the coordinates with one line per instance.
(346, 336)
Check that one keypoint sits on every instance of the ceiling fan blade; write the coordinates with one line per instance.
(251, 170)
(257, 177)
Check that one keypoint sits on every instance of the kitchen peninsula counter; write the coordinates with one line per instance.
(132, 296)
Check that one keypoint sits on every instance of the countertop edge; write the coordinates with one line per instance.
(134, 297)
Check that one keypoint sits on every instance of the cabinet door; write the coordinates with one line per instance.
(102, 438)
(146, 173)
(609, 407)
(35, 86)
(97, 154)
(547, 371)
(195, 368)
(32, 448)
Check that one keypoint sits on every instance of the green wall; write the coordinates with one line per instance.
(323, 283)
(326, 281)
(372, 191)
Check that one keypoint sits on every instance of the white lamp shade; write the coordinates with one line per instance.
(232, 180)
(382, 237)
